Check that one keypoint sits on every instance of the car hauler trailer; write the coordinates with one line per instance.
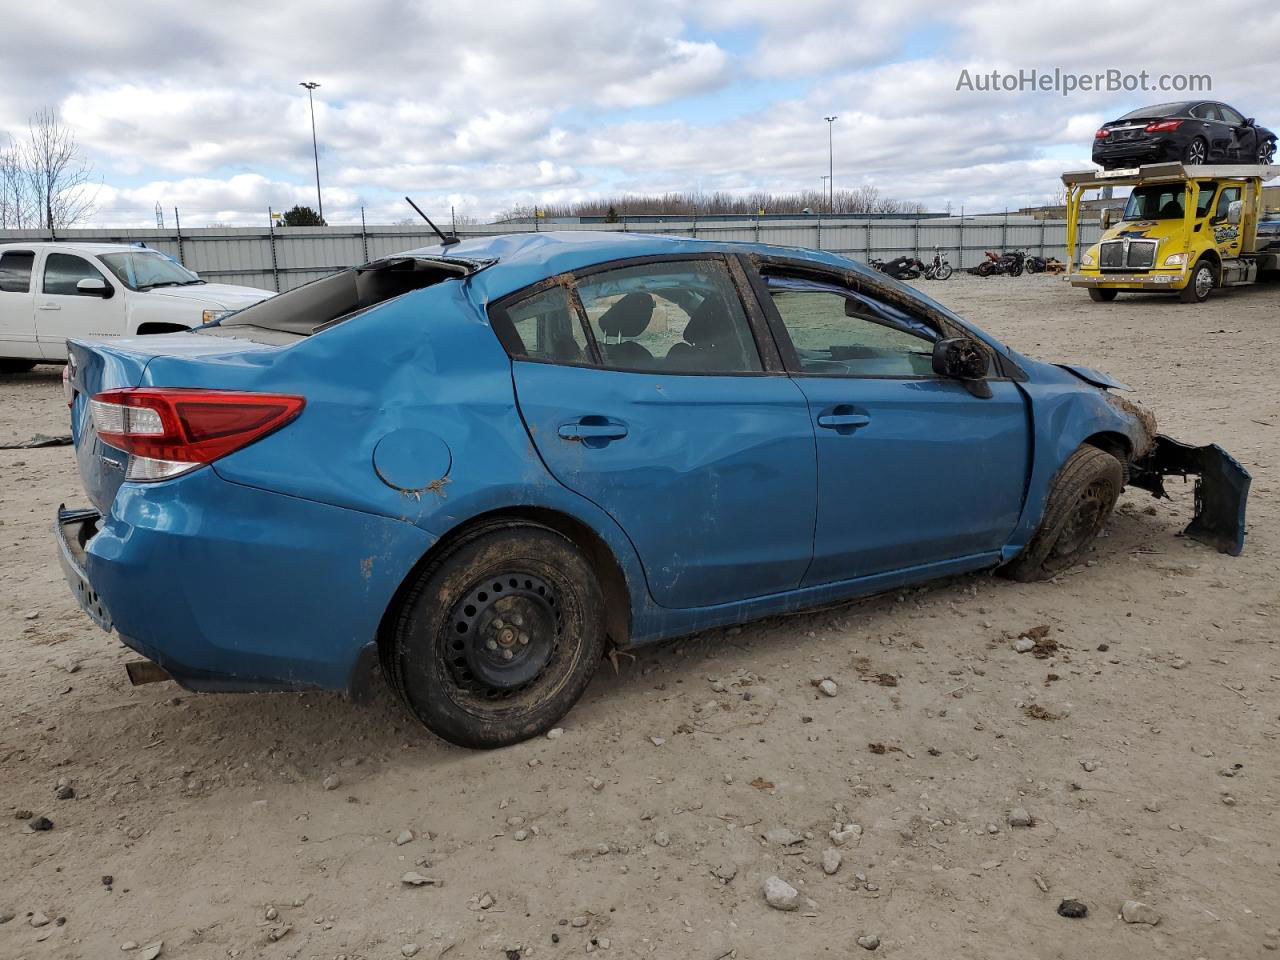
(1184, 229)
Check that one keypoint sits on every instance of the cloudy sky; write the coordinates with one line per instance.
(492, 103)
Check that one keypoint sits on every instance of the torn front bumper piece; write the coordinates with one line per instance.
(1222, 488)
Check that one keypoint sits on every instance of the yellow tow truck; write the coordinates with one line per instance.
(1184, 229)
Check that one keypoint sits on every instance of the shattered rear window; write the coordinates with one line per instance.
(334, 299)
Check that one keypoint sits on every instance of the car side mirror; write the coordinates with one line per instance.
(960, 358)
(1234, 209)
(94, 287)
(1249, 121)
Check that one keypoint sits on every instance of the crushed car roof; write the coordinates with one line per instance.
(526, 258)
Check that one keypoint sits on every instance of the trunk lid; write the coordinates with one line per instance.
(94, 366)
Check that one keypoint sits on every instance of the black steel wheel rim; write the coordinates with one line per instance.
(1084, 521)
(502, 635)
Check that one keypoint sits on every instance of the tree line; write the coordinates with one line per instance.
(45, 181)
(864, 199)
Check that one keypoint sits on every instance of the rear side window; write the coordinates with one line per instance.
(1205, 111)
(15, 271)
(62, 272)
(547, 328)
(676, 317)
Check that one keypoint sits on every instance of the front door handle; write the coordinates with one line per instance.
(842, 419)
(593, 431)
(49, 306)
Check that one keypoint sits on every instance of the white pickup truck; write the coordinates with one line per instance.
(52, 291)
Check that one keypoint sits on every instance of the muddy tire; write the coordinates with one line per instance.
(15, 366)
(498, 637)
(1081, 498)
(1200, 284)
(1101, 294)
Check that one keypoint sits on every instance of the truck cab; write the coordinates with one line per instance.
(50, 291)
(1185, 229)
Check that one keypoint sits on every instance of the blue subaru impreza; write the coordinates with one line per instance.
(476, 468)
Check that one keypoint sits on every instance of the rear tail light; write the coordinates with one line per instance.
(1163, 126)
(171, 432)
(1102, 132)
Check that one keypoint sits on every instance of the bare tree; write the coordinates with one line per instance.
(60, 178)
(17, 209)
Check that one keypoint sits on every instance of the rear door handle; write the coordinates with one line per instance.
(843, 422)
(593, 431)
(49, 306)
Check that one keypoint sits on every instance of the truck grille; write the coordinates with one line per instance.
(1127, 255)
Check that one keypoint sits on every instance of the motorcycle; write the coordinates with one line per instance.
(1043, 265)
(902, 268)
(1009, 263)
(939, 268)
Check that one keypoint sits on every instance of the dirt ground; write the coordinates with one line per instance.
(1144, 748)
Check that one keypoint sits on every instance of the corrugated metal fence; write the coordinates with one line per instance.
(284, 258)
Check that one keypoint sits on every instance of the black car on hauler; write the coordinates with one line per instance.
(1190, 131)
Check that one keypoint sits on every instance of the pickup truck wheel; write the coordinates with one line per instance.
(1200, 284)
(1101, 294)
(499, 637)
(1080, 500)
(16, 366)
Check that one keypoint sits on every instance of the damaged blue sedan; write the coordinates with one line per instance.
(477, 468)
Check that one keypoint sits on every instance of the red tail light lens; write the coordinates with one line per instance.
(1102, 132)
(1163, 126)
(168, 432)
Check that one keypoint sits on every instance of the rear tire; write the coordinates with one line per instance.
(1196, 152)
(1200, 284)
(1101, 294)
(499, 637)
(16, 366)
(1081, 498)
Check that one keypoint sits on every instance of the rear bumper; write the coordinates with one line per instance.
(232, 588)
(1140, 150)
(1221, 492)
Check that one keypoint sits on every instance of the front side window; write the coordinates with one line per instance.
(1229, 196)
(547, 327)
(842, 332)
(62, 272)
(15, 271)
(677, 317)
(146, 269)
(1231, 116)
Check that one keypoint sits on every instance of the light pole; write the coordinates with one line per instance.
(825, 178)
(315, 150)
(831, 182)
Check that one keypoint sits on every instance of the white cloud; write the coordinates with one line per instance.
(517, 101)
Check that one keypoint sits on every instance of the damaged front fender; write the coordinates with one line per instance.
(1222, 488)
